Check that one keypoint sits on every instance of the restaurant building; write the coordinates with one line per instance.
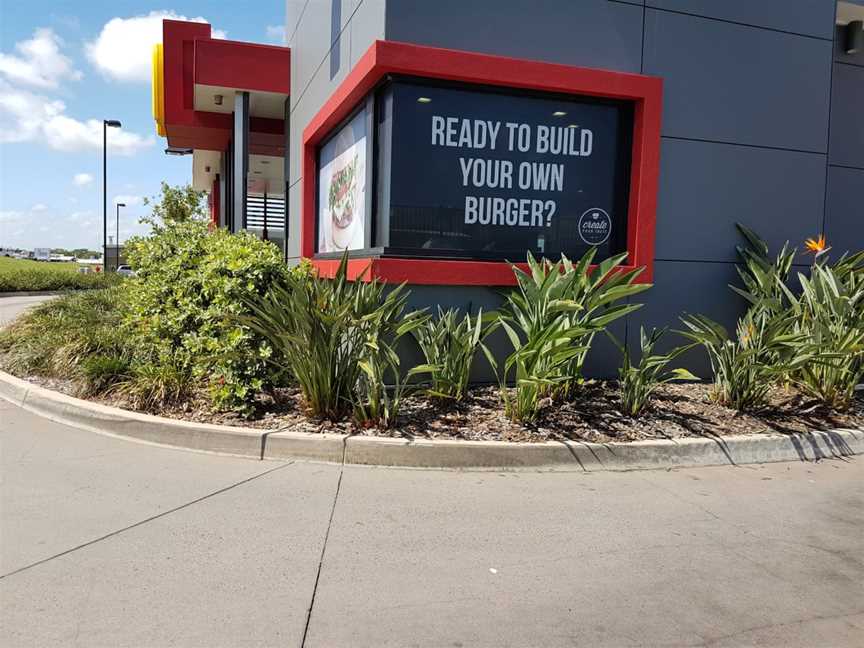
(439, 140)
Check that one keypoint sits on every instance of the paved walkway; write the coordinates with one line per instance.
(107, 542)
(12, 307)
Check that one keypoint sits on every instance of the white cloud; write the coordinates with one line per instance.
(22, 113)
(82, 179)
(276, 33)
(124, 47)
(129, 201)
(39, 207)
(29, 117)
(39, 62)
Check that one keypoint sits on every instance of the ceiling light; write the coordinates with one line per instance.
(573, 126)
(559, 113)
(424, 100)
(173, 150)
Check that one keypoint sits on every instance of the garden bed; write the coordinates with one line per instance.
(677, 411)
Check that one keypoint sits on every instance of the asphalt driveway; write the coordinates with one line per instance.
(106, 542)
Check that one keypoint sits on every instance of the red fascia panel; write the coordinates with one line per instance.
(186, 48)
(430, 272)
(390, 57)
(246, 66)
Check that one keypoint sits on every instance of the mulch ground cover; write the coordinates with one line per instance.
(676, 411)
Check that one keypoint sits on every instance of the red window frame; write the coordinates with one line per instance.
(391, 57)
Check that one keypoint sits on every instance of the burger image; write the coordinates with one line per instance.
(341, 203)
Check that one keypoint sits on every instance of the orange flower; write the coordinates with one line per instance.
(817, 246)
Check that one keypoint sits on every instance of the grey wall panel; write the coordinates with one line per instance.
(294, 10)
(311, 44)
(591, 33)
(731, 83)
(320, 87)
(705, 188)
(367, 26)
(840, 54)
(681, 287)
(312, 84)
(811, 17)
(295, 213)
(844, 218)
(847, 116)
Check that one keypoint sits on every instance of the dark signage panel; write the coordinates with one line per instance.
(488, 174)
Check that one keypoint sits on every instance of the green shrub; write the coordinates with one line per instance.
(58, 337)
(449, 345)
(183, 304)
(18, 275)
(637, 382)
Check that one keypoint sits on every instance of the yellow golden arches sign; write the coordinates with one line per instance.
(158, 90)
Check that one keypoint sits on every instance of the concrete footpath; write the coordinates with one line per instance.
(12, 306)
(106, 542)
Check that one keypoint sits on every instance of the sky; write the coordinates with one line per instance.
(64, 67)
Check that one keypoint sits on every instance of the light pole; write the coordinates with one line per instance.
(117, 238)
(113, 123)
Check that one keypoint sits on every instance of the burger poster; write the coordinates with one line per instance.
(342, 189)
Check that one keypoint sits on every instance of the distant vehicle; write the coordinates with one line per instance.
(42, 254)
(125, 271)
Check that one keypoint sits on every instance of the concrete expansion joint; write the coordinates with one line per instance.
(323, 553)
(147, 520)
(342, 449)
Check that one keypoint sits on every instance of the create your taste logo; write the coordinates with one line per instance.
(485, 173)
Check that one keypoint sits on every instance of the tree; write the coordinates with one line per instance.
(178, 204)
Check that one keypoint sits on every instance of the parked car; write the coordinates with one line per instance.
(125, 271)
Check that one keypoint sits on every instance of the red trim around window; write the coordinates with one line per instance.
(389, 57)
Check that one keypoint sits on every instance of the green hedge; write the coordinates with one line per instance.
(191, 286)
(19, 275)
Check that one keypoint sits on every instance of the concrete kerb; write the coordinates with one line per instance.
(446, 454)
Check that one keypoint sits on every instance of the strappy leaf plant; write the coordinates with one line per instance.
(745, 366)
(327, 333)
(829, 314)
(450, 343)
(376, 403)
(550, 320)
(763, 276)
(601, 295)
(637, 382)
